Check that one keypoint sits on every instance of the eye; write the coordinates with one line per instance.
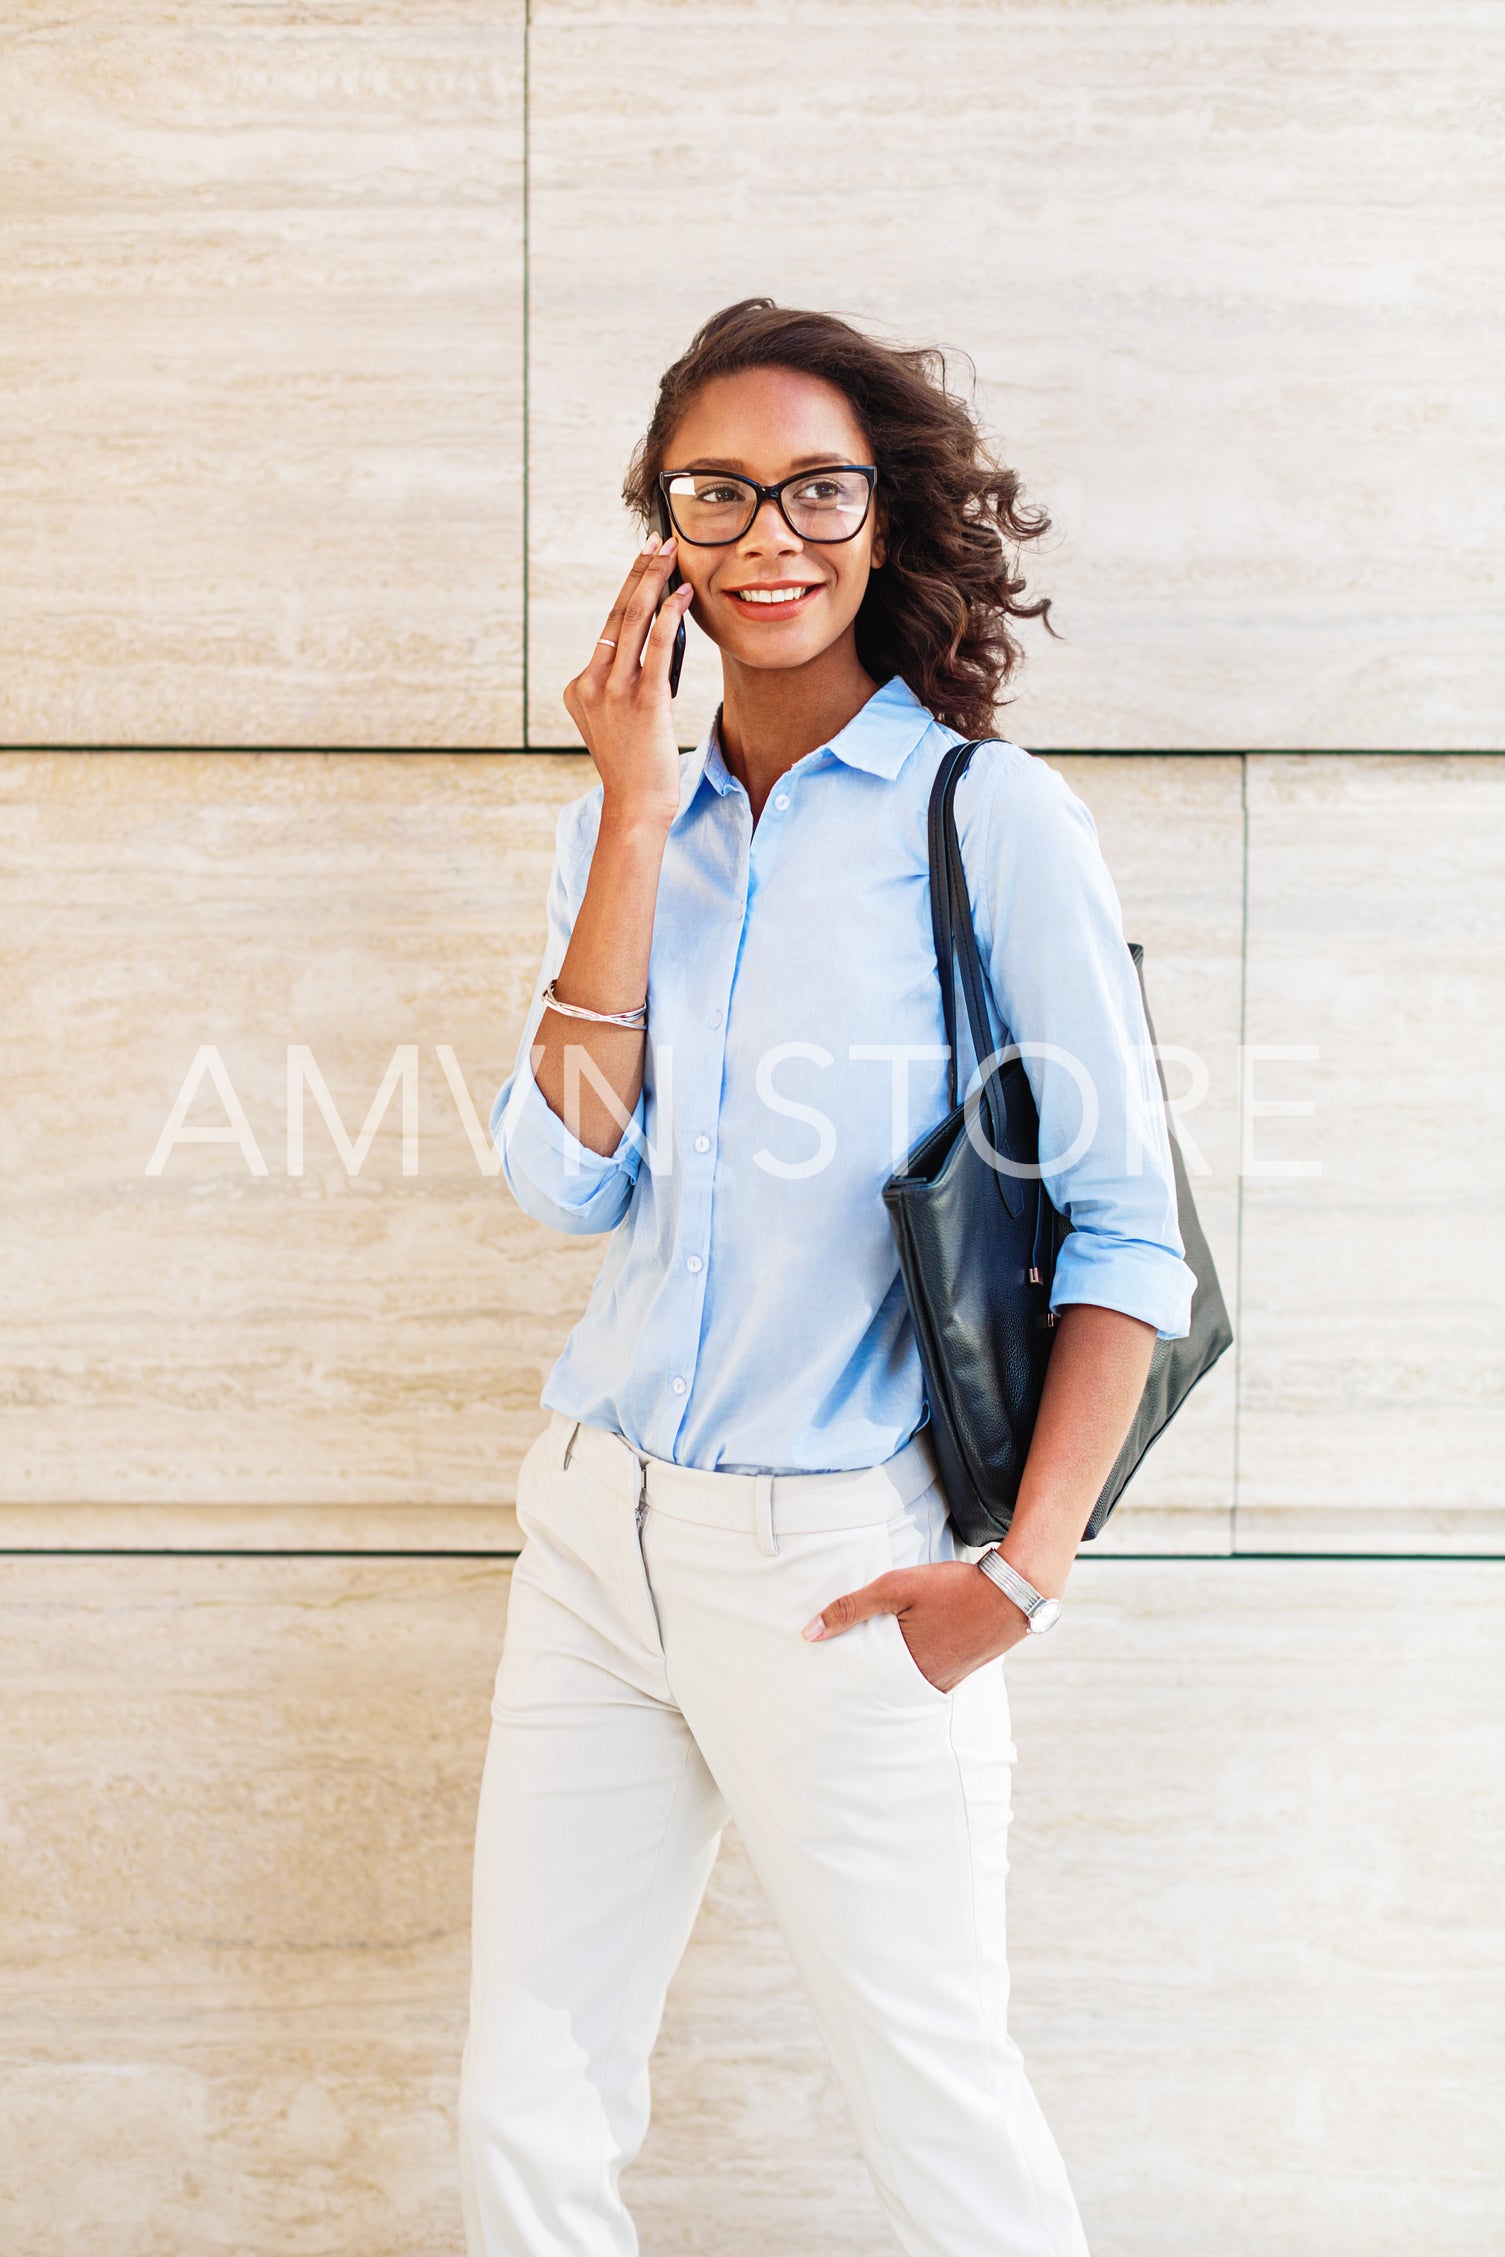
(825, 487)
(716, 490)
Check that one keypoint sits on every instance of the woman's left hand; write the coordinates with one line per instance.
(953, 1619)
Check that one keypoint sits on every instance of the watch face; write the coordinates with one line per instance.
(1046, 1615)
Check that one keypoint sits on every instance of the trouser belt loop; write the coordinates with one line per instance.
(763, 1513)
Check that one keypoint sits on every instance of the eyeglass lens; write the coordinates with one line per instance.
(715, 506)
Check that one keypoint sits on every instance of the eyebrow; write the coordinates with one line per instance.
(740, 470)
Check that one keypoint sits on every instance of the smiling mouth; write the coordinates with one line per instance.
(775, 599)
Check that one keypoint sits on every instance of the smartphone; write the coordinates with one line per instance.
(677, 656)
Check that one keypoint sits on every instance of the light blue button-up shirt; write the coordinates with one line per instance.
(749, 1315)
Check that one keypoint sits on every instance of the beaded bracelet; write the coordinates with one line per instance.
(637, 1018)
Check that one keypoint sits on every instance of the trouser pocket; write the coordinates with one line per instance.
(919, 1535)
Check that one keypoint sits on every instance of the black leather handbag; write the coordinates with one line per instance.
(978, 1245)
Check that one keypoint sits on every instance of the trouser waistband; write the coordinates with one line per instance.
(760, 1504)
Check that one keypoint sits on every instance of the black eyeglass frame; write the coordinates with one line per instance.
(774, 494)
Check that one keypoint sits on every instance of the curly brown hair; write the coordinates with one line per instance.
(938, 610)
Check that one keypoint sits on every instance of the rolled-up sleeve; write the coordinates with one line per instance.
(1048, 922)
(552, 1176)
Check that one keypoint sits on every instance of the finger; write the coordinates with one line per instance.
(641, 608)
(574, 706)
(599, 664)
(637, 619)
(878, 1597)
(660, 645)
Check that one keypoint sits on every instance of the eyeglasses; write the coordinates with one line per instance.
(710, 508)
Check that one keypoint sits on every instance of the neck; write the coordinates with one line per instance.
(769, 719)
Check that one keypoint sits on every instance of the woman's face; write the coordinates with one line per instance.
(768, 423)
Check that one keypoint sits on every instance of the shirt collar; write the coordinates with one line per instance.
(879, 739)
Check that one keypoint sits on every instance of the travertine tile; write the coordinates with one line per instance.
(239, 1527)
(1225, 272)
(330, 1362)
(1253, 1916)
(240, 1800)
(1374, 1322)
(208, 1337)
(261, 419)
(1254, 1933)
(1172, 833)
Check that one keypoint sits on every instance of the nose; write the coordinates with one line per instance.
(770, 532)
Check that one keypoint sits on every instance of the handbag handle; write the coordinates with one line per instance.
(956, 948)
(951, 923)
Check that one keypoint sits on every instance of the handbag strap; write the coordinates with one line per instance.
(951, 919)
(956, 948)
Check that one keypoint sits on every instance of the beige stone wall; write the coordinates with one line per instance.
(269, 429)
(1257, 1798)
(1256, 1965)
(1225, 273)
(262, 414)
(274, 1357)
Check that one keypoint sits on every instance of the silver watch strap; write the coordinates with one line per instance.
(1015, 1586)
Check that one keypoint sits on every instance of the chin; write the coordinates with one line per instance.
(775, 650)
(770, 660)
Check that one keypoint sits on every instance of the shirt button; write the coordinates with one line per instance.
(679, 1386)
(702, 1144)
(695, 1265)
(715, 1018)
(781, 801)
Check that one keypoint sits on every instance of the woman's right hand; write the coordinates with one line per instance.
(620, 700)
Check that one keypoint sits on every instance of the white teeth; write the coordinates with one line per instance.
(770, 595)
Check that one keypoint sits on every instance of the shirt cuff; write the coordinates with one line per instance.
(1128, 1274)
(539, 1151)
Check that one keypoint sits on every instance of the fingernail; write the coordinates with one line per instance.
(650, 544)
(668, 545)
(814, 1630)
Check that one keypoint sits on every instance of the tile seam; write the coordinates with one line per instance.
(1107, 1559)
(527, 309)
(1238, 1232)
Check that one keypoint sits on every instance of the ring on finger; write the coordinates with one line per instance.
(607, 640)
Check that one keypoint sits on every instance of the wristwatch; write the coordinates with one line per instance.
(1040, 1613)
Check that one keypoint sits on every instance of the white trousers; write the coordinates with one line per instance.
(653, 1682)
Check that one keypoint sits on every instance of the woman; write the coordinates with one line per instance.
(737, 1450)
